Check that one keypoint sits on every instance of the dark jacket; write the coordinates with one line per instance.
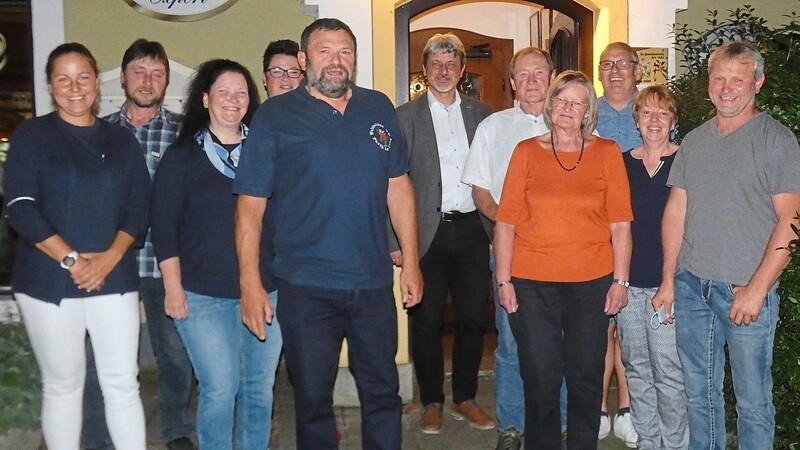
(424, 170)
(193, 213)
(84, 184)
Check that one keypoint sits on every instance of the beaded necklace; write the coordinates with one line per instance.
(553, 146)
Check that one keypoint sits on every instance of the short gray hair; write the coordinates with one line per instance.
(530, 51)
(444, 43)
(736, 50)
(558, 85)
(624, 46)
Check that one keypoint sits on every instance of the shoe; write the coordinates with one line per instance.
(623, 429)
(431, 422)
(472, 413)
(509, 440)
(605, 426)
(182, 443)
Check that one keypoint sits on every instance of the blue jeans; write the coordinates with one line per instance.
(175, 376)
(703, 329)
(509, 392)
(234, 370)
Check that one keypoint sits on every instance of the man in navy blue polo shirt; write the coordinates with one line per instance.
(329, 159)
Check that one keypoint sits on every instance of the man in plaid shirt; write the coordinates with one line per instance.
(144, 77)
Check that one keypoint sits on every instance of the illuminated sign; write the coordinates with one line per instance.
(180, 10)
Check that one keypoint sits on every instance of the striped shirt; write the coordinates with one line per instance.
(154, 136)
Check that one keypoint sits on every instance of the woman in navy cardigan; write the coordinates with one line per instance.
(77, 194)
(192, 231)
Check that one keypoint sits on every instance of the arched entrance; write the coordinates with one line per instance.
(582, 16)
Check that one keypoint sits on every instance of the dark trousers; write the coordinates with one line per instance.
(175, 375)
(313, 322)
(560, 330)
(456, 262)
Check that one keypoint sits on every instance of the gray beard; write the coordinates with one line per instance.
(330, 88)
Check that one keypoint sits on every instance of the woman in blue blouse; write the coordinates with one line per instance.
(655, 381)
(77, 194)
(192, 231)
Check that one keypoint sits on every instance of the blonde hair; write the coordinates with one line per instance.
(658, 95)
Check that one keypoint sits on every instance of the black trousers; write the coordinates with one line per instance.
(313, 323)
(457, 262)
(560, 329)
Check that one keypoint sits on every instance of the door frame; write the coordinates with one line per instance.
(403, 14)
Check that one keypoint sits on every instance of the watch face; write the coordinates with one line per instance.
(69, 260)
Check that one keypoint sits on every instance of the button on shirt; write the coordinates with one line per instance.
(618, 125)
(326, 176)
(453, 146)
(494, 143)
(154, 137)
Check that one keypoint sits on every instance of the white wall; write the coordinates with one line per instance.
(357, 14)
(47, 17)
(496, 19)
(650, 25)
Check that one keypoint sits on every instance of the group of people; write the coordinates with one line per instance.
(575, 208)
(598, 214)
(81, 186)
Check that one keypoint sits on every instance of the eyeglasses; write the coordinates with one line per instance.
(574, 104)
(277, 72)
(623, 64)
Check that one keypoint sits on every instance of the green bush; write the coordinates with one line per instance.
(786, 363)
(20, 388)
(780, 97)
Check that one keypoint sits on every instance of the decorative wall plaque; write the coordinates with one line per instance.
(180, 10)
(654, 62)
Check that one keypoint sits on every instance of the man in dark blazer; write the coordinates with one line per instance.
(453, 243)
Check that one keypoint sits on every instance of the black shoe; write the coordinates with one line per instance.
(509, 440)
(182, 443)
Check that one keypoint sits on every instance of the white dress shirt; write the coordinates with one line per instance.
(495, 140)
(453, 146)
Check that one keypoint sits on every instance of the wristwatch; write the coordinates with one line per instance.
(621, 282)
(69, 260)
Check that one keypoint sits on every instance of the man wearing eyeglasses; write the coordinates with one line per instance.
(438, 128)
(619, 71)
(282, 72)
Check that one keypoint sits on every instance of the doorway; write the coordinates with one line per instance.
(486, 74)
(564, 27)
(491, 32)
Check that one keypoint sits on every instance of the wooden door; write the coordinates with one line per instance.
(486, 74)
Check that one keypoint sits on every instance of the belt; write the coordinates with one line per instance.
(453, 216)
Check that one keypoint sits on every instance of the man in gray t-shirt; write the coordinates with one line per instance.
(735, 193)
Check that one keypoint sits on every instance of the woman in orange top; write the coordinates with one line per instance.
(563, 247)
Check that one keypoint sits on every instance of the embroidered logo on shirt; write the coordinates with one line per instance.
(380, 135)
